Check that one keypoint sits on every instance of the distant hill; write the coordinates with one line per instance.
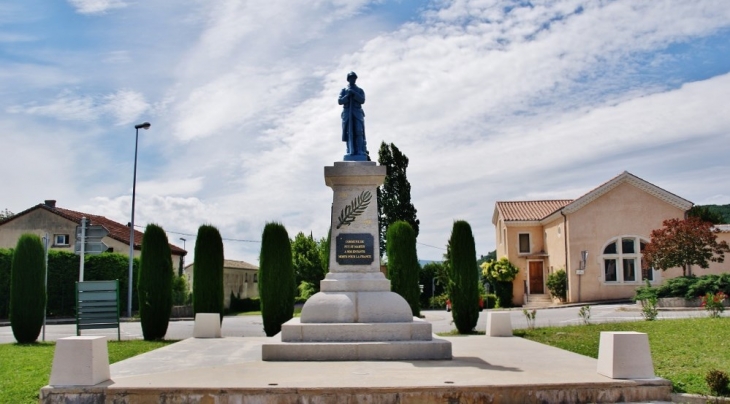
(722, 210)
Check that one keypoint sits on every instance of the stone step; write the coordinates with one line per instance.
(296, 331)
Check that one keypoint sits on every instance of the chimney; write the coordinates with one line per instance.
(51, 203)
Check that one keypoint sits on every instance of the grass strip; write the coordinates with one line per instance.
(25, 368)
(683, 351)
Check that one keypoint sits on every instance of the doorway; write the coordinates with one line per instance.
(536, 278)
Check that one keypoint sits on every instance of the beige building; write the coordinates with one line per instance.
(239, 278)
(60, 224)
(597, 238)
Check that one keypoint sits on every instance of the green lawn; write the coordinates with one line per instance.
(682, 350)
(25, 368)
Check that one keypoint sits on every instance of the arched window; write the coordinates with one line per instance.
(622, 261)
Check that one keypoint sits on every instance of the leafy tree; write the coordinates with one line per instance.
(27, 290)
(208, 271)
(434, 279)
(154, 285)
(501, 274)
(276, 278)
(403, 267)
(683, 243)
(394, 197)
(723, 211)
(705, 214)
(323, 245)
(5, 214)
(307, 261)
(463, 277)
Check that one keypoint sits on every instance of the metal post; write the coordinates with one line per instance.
(145, 126)
(83, 249)
(46, 241)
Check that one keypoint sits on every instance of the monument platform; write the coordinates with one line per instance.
(483, 370)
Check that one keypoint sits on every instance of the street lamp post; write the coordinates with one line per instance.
(182, 258)
(144, 126)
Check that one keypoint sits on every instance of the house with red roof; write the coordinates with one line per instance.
(60, 224)
(597, 238)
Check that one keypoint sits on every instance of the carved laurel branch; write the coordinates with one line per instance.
(356, 208)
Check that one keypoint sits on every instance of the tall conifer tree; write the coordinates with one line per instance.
(27, 291)
(403, 267)
(463, 277)
(394, 196)
(208, 271)
(276, 278)
(154, 284)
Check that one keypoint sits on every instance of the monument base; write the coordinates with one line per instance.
(433, 349)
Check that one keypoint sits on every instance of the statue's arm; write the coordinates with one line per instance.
(344, 96)
(359, 95)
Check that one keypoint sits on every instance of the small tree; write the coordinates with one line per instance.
(5, 214)
(683, 243)
(501, 273)
(276, 278)
(307, 261)
(463, 278)
(208, 271)
(27, 291)
(154, 285)
(403, 267)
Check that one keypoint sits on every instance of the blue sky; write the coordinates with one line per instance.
(490, 100)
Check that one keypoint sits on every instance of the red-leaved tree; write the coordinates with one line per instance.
(683, 243)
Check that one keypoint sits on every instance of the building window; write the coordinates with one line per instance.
(504, 235)
(560, 231)
(622, 259)
(60, 240)
(647, 273)
(524, 243)
(255, 278)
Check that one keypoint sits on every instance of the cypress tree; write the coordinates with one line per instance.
(403, 267)
(27, 290)
(208, 271)
(276, 278)
(154, 284)
(463, 278)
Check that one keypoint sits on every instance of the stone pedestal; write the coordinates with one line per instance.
(625, 355)
(207, 325)
(499, 324)
(80, 361)
(355, 316)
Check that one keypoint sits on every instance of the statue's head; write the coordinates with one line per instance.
(351, 77)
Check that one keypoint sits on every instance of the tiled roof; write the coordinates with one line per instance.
(117, 231)
(530, 210)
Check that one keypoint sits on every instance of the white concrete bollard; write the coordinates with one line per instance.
(499, 324)
(207, 325)
(80, 361)
(625, 355)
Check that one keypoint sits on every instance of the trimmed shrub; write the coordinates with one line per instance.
(6, 259)
(556, 284)
(463, 278)
(63, 272)
(108, 267)
(208, 271)
(244, 305)
(276, 278)
(403, 267)
(154, 284)
(27, 288)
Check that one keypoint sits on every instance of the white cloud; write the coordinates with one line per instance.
(96, 6)
(125, 106)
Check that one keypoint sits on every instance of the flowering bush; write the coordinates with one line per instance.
(499, 271)
(713, 303)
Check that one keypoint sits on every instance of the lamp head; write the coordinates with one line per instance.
(145, 126)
